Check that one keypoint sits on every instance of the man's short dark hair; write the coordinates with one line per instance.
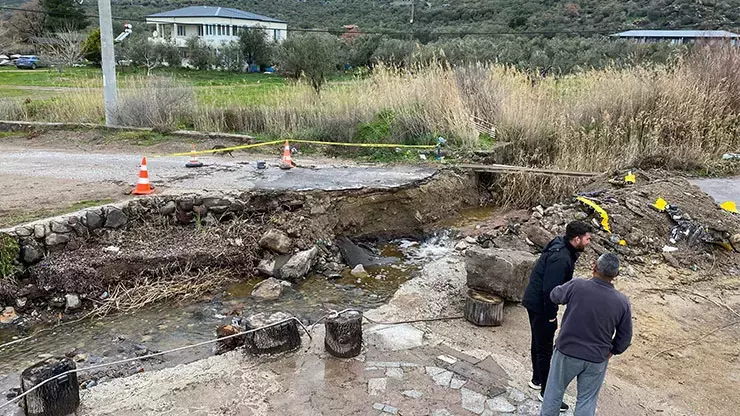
(576, 229)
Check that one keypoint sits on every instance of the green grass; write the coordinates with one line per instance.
(141, 138)
(5, 134)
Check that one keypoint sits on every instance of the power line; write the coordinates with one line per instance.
(399, 33)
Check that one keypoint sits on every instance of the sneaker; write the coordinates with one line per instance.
(534, 386)
(563, 407)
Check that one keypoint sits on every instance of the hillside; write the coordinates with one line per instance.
(473, 15)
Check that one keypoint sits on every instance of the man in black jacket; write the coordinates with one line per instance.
(554, 267)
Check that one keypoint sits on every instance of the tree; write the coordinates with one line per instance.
(231, 57)
(150, 53)
(255, 46)
(313, 56)
(28, 22)
(91, 48)
(360, 50)
(64, 49)
(199, 54)
(62, 15)
(9, 38)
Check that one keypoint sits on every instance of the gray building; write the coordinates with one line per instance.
(678, 37)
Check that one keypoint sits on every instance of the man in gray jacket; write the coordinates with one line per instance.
(596, 325)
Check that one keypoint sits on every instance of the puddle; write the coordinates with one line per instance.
(169, 325)
(470, 216)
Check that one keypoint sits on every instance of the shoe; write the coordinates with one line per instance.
(563, 407)
(534, 386)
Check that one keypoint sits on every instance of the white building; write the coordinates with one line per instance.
(679, 37)
(215, 25)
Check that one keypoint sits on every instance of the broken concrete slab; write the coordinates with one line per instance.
(480, 380)
(443, 379)
(414, 394)
(395, 373)
(500, 404)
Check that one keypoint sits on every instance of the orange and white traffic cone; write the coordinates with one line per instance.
(287, 161)
(194, 162)
(143, 187)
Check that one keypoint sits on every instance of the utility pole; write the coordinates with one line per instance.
(108, 62)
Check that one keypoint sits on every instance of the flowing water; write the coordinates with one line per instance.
(170, 325)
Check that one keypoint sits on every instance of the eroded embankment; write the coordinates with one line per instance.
(193, 243)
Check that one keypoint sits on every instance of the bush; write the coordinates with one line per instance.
(231, 57)
(91, 48)
(200, 55)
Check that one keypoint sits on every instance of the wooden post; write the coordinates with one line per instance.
(484, 309)
(60, 397)
(343, 336)
(275, 339)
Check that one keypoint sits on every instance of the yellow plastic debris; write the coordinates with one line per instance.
(630, 178)
(597, 208)
(660, 204)
(729, 206)
(622, 243)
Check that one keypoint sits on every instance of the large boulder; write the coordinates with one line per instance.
(115, 218)
(299, 265)
(276, 241)
(539, 236)
(498, 271)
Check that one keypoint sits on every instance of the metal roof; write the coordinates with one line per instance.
(676, 34)
(210, 11)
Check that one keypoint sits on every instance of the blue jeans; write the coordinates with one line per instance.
(563, 370)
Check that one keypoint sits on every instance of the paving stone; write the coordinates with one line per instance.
(517, 396)
(410, 365)
(490, 365)
(414, 394)
(396, 373)
(395, 337)
(371, 368)
(488, 391)
(378, 406)
(500, 404)
(529, 408)
(457, 382)
(443, 378)
(473, 401)
(433, 371)
(493, 384)
(390, 410)
(375, 386)
(384, 364)
(441, 412)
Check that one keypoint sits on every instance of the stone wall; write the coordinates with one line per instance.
(39, 238)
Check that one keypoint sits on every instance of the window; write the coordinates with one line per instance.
(200, 30)
(234, 31)
(276, 34)
(181, 30)
(218, 30)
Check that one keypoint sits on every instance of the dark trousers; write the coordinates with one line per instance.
(543, 334)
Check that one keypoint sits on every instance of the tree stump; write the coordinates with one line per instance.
(60, 397)
(275, 339)
(226, 345)
(484, 309)
(343, 336)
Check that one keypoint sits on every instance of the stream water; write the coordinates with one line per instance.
(170, 325)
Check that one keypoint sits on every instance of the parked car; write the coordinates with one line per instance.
(5, 60)
(29, 61)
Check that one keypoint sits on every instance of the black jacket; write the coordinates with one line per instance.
(554, 267)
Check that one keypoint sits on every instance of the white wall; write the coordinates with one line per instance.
(191, 28)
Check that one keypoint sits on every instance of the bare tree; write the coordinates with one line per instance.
(64, 49)
(8, 37)
(28, 22)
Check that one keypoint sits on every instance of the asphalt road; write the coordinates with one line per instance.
(721, 189)
(219, 173)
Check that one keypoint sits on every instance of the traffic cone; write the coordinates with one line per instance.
(142, 186)
(287, 161)
(194, 162)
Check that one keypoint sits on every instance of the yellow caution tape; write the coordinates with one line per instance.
(729, 206)
(597, 208)
(660, 204)
(630, 178)
(249, 146)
